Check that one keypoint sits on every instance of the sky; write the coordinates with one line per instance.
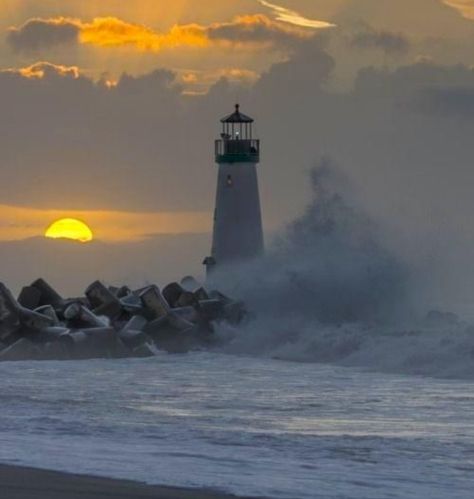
(110, 109)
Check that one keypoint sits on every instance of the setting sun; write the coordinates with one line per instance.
(70, 228)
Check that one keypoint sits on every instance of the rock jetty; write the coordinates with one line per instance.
(111, 322)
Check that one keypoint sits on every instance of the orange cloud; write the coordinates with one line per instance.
(465, 7)
(238, 74)
(113, 32)
(39, 70)
(250, 30)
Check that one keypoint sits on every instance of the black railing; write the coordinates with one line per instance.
(237, 151)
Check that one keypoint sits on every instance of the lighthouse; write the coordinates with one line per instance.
(238, 233)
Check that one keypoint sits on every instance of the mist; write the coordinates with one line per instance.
(330, 288)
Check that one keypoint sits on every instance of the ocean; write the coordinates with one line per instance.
(251, 425)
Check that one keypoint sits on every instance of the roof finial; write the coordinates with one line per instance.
(237, 107)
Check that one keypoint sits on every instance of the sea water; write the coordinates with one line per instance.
(248, 425)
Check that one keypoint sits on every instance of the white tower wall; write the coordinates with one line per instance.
(238, 233)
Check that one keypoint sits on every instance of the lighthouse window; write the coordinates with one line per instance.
(230, 181)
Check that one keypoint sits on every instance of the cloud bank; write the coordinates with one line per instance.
(387, 41)
(248, 30)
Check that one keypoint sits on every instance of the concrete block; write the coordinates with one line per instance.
(81, 316)
(51, 334)
(23, 349)
(154, 302)
(190, 314)
(179, 323)
(9, 313)
(29, 297)
(235, 312)
(102, 301)
(157, 326)
(49, 296)
(145, 350)
(54, 351)
(133, 339)
(101, 335)
(172, 292)
(123, 292)
(189, 283)
(33, 321)
(186, 299)
(217, 295)
(212, 309)
(72, 338)
(131, 300)
(119, 350)
(48, 311)
(91, 343)
(132, 304)
(136, 323)
(201, 294)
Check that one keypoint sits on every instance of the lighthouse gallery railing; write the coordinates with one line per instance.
(237, 150)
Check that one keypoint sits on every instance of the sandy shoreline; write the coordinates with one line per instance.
(29, 483)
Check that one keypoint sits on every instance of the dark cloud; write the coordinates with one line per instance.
(37, 34)
(457, 101)
(387, 41)
(258, 29)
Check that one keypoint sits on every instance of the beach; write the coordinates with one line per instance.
(29, 483)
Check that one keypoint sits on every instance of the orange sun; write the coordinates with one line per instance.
(70, 228)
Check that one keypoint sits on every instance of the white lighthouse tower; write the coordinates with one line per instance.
(238, 233)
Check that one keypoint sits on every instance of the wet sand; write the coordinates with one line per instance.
(28, 483)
